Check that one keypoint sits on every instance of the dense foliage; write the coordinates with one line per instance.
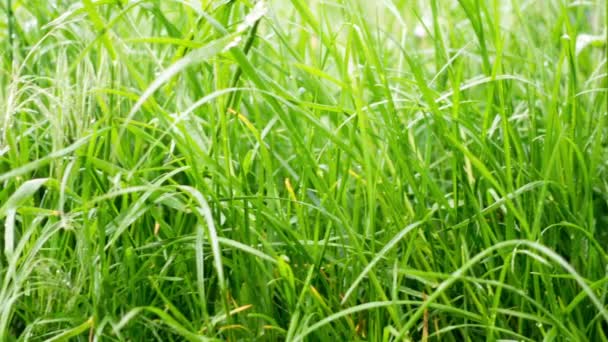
(303, 170)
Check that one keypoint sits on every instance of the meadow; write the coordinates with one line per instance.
(328, 170)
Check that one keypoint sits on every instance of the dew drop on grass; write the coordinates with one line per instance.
(419, 31)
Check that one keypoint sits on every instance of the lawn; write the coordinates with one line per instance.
(327, 170)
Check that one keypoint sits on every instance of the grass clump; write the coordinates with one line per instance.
(303, 170)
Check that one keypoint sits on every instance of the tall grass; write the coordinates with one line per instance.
(303, 170)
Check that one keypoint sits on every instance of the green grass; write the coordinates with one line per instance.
(298, 170)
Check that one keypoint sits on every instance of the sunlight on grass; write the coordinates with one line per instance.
(337, 170)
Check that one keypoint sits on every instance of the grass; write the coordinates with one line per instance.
(303, 170)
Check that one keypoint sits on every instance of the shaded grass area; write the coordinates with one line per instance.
(303, 170)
